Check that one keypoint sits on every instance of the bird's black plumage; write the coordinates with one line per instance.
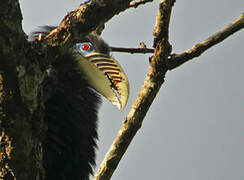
(71, 117)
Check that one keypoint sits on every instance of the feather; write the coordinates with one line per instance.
(71, 108)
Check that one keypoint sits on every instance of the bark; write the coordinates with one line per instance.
(21, 116)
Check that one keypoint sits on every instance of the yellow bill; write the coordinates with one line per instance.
(106, 76)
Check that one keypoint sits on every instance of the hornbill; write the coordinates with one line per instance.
(71, 98)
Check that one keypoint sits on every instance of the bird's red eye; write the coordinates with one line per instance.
(85, 47)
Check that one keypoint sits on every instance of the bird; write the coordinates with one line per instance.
(72, 92)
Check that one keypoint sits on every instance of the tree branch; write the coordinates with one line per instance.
(79, 22)
(135, 4)
(176, 60)
(84, 19)
(132, 50)
(150, 88)
(199, 48)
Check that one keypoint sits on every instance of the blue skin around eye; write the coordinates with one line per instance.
(84, 52)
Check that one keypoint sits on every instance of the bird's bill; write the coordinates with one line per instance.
(106, 76)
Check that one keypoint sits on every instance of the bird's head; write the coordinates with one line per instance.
(102, 72)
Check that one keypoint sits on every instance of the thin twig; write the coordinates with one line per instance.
(135, 4)
(178, 59)
(132, 50)
(150, 88)
(199, 48)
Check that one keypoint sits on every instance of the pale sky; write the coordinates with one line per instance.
(195, 127)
